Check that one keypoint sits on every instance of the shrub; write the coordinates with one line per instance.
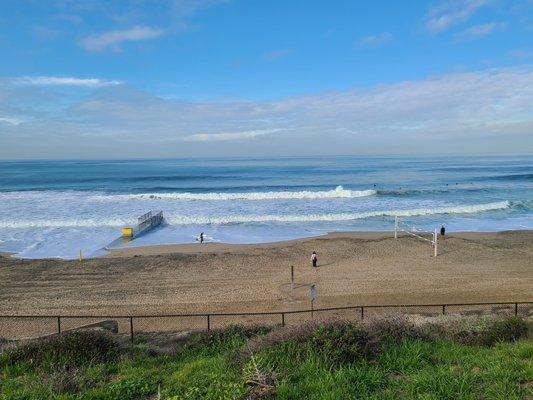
(506, 330)
(338, 341)
(342, 342)
(3, 343)
(396, 328)
(69, 350)
(203, 341)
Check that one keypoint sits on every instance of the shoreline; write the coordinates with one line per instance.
(213, 247)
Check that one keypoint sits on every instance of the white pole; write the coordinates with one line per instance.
(435, 242)
(395, 227)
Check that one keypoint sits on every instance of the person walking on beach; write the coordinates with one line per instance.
(314, 259)
(442, 231)
(201, 238)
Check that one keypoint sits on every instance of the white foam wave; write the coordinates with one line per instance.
(338, 192)
(185, 220)
(237, 219)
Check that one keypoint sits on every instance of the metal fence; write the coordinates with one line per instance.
(16, 327)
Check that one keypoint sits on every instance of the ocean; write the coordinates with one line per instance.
(56, 208)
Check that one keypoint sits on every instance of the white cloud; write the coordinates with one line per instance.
(58, 81)
(10, 120)
(451, 12)
(478, 31)
(374, 40)
(218, 137)
(113, 39)
(462, 112)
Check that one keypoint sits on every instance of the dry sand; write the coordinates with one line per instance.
(354, 268)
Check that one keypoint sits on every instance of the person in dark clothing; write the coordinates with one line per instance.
(314, 259)
(442, 231)
(201, 238)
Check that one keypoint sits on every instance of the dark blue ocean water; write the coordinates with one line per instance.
(55, 208)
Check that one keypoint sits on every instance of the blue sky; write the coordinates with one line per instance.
(101, 79)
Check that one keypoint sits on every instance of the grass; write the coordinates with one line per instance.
(461, 358)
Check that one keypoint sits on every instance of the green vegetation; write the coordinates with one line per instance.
(461, 358)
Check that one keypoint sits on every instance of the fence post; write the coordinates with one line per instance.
(208, 322)
(443, 309)
(362, 312)
(282, 319)
(131, 329)
(516, 309)
(58, 324)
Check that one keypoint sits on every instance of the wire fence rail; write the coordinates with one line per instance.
(17, 327)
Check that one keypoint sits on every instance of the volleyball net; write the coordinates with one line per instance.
(402, 227)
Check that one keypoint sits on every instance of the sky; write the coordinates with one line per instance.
(191, 78)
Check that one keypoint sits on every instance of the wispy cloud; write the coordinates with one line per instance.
(228, 136)
(478, 31)
(113, 39)
(58, 81)
(451, 12)
(374, 40)
(461, 111)
(174, 16)
(10, 121)
(521, 53)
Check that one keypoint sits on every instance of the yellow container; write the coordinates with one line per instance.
(127, 232)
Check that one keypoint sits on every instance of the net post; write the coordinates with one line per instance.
(208, 322)
(516, 309)
(282, 319)
(362, 312)
(131, 329)
(435, 243)
(443, 309)
(58, 324)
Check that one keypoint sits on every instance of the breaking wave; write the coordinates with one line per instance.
(338, 192)
(241, 219)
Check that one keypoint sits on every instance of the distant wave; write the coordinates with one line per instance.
(338, 192)
(512, 177)
(238, 219)
(447, 189)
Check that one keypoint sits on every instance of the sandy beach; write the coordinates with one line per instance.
(354, 268)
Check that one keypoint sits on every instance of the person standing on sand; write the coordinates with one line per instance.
(314, 259)
(442, 231)
(201, 238)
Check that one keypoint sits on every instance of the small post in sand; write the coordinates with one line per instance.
(81, 255)
(435, 243)
(292, 277)
(312, 296)
(395, 227)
